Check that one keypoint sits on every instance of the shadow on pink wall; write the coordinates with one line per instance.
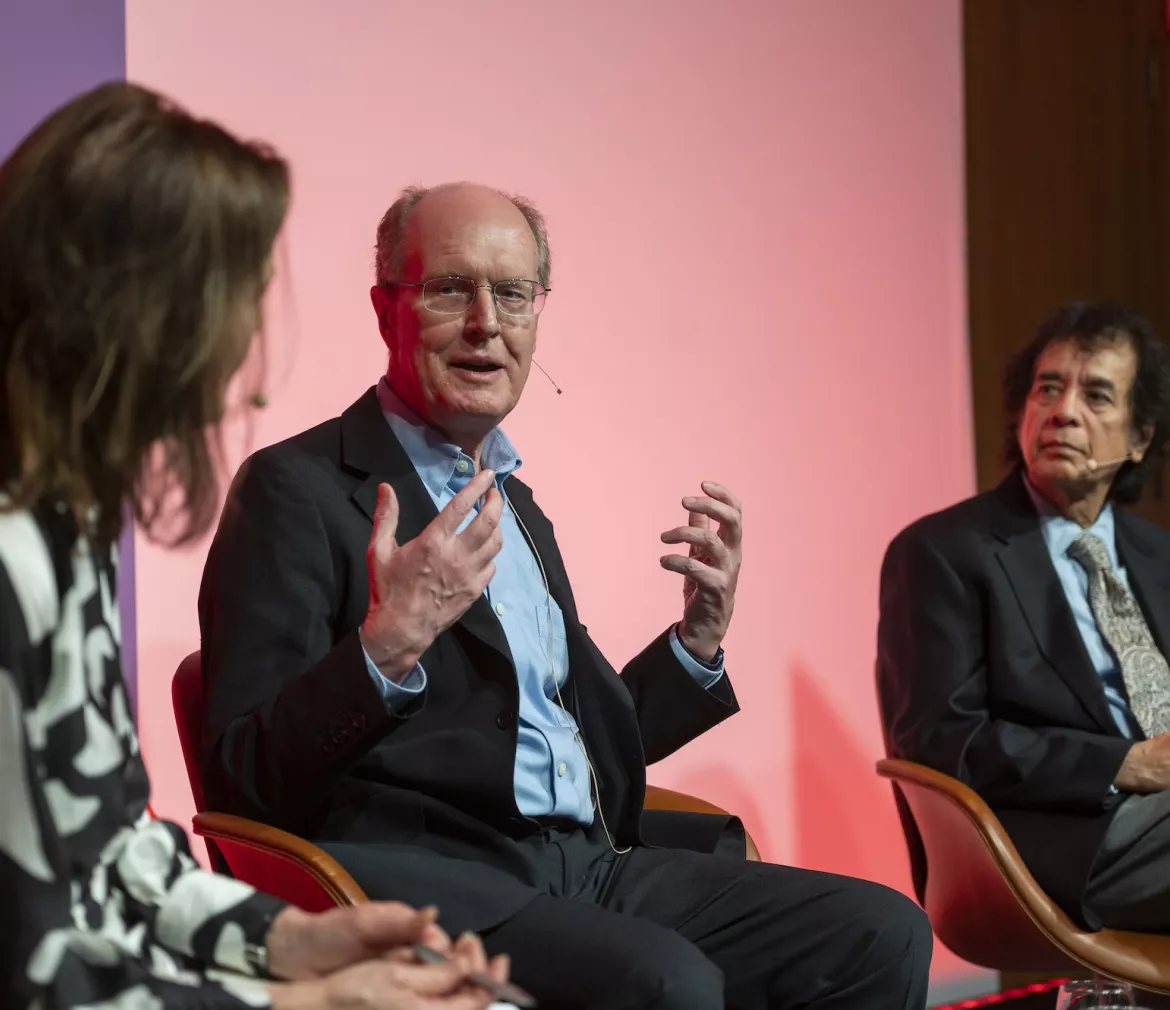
(847, 821)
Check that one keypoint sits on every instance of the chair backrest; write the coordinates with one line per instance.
(976, 890)
(986, 906)
(187, 699)
(265, 857)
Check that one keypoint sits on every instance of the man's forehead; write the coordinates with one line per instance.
(1106, 358)
(452, 208)
(481, 222)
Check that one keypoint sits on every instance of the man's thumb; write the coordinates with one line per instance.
(385, 515)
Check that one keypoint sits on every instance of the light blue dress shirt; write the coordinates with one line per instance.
(551, 774)
(1059, 534)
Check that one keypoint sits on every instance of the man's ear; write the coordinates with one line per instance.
(1141, 442)
(383, 302)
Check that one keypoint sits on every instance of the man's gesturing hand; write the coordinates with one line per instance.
(711, 568)
(421, 588)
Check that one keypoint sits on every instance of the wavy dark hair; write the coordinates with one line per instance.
(135, 246)
(1092, 325)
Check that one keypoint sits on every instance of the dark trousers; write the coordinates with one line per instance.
(671, 929)
(1129, 884)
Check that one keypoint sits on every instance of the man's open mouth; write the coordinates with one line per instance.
(477, 366)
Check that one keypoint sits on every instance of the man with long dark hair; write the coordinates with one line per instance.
(1024, 632)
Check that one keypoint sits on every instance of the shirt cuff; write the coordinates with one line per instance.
(706, 675)
(397, 696)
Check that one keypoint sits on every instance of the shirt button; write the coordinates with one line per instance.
(500, 609)
(561, 769)
(461, 466)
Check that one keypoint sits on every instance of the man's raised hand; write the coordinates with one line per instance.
(419, 589)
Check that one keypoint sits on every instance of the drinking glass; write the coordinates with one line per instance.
(1105, 994)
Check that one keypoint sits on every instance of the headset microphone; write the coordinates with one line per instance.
(549, 377)
(1093, 465)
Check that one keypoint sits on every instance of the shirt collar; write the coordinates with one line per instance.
(1060, 531)
(433, 456)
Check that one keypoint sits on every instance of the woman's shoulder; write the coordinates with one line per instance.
(29, 595)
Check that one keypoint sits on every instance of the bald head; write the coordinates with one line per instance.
(441, 208)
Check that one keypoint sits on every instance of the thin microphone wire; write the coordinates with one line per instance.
(1092, 465)
(572, 726)
(550, 379)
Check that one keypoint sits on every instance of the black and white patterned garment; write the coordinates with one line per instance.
(103, 907)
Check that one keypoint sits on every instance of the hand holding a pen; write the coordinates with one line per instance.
(367, 958)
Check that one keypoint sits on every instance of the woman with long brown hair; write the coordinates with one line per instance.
(135, 247)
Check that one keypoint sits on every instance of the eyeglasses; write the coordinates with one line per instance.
(451, 296)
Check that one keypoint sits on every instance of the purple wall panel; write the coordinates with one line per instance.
(50, 50)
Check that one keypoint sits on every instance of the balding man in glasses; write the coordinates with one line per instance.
(396, 669)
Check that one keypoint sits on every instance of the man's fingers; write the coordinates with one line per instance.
(720, 492)
(704, 575)
(456, 510)
(729, 518)
(484, 525)
(697, 520)
(385, 521)
(706, 540)
(480, 580)
(485, 552)
(711, 507)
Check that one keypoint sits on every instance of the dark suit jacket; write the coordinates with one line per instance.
(297, 735)
(982, 674)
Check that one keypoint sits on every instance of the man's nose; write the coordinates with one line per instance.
(1066, 409)
(482, 316)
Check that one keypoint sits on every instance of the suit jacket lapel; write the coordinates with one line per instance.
(543, 543)
(1148, 577)
(1026, 562)
(370, 450)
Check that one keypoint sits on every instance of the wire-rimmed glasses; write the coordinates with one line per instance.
(454, 295)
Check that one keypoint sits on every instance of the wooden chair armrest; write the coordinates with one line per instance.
(658, 798)
(287, 866)
(278, 862)
(986, 824)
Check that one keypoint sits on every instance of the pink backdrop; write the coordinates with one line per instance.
(756, 222)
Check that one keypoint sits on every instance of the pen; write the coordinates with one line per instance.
(505, 991)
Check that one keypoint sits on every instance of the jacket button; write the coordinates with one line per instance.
(505, 720)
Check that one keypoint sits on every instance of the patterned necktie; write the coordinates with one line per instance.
(1120, 621)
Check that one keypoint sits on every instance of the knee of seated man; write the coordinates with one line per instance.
(882, 927)
(672, 974)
